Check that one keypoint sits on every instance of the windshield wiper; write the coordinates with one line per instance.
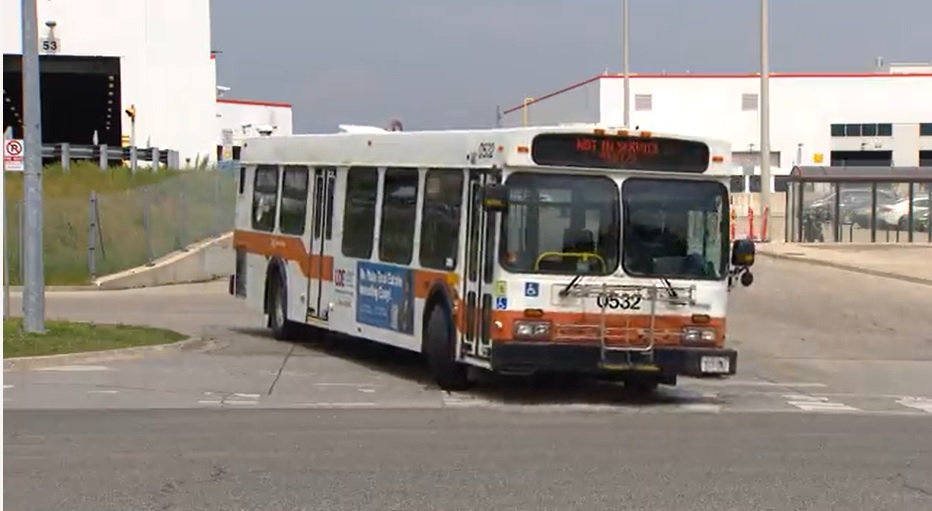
(566, 290)
(670, 289)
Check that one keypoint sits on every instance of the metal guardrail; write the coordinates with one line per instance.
(106, 156)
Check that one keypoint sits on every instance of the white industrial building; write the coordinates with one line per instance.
(881, 118)
(166, 69)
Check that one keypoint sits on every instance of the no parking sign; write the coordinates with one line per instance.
(13, 155)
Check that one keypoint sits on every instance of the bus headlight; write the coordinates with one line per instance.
(531, 330)
(693, 334)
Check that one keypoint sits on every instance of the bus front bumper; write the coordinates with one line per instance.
(530, 357)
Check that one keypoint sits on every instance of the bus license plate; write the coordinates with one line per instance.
(715, 365)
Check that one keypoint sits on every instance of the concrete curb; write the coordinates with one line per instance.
(20, 363)
(54, 289)
(848, 267)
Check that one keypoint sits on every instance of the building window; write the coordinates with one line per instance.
(440, 219)
(643, 102)
(862, 130)
(362, 191)
(293, 209)
(852, 130)
(749, 102)
(265, 198)
(399, 214)
(925, 129)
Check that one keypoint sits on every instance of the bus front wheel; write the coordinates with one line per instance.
(282, 328)
(440, 350)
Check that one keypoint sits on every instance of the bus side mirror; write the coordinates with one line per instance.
(742, 253)
(495, 197)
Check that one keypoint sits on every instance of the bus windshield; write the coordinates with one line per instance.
(675, 228)
(561, 224)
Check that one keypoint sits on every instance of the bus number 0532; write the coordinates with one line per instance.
(624, 301)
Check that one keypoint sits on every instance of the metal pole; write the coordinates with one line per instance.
(6, 264)
(764, 120)
(34, 278)
(627, 71)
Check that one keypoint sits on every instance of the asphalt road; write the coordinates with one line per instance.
(440, 460)
(831, 409)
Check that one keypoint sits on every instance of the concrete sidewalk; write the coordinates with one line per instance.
(909, 262)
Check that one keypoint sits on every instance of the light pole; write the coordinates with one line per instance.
(33, 267)
(764, 120)
(627, 71)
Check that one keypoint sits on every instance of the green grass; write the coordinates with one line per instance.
(72, 337)
(184, 207)
(82, 178)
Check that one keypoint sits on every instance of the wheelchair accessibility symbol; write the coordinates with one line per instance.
(531, 289)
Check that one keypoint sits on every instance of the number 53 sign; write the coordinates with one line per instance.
(50, 45)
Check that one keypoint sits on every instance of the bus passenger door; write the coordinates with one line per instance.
(321, 262)
(477, 287)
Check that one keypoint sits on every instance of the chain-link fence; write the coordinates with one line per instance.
(84, 238)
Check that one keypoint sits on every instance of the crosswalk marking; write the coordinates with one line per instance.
(817, 404)
(918, 403)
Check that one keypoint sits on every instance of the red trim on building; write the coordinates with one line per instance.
(719, 75)
(253, 102)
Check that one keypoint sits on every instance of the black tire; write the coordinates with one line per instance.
(439, 349)
(282, 328)
(903, 223)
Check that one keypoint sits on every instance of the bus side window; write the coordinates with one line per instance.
(399, 214)
(362, 188)
(293, 209)
(265, 198)
(440, 218)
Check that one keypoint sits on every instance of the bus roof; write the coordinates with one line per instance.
(475, 148)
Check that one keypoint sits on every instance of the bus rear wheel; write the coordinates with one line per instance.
(440, 350)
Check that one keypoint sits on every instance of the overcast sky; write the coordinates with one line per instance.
(448, 63)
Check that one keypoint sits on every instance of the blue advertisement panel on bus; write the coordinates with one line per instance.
(385, 297)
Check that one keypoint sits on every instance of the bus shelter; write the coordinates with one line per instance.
(858, 204)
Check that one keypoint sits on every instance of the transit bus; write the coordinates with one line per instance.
(570, 248)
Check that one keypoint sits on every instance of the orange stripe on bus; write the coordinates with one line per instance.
(288, 248)
(667, 329)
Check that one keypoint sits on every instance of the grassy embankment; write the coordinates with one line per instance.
(72, 337)
(184, 206)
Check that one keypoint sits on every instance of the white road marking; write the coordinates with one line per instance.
(209, 402)
(337, 405)
(8, 386)
(367, 391)
(701, 407)
(752, 383)
(919, 403)
(108, 391)
(74, 368)
(239, 402)
(817, 404)
(247, 396)
(326, 384)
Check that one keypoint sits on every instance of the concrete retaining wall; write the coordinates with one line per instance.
(209, 260)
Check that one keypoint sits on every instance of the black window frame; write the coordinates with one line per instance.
(884, 129)
(925, 129)
(263, 189)
(401, 227)
(432, 254)
(356, 243)
(299, 218)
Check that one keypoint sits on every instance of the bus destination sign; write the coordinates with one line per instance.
(620, 152)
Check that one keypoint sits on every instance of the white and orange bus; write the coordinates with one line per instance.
(572, 248)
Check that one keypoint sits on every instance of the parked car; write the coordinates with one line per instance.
(854, 199)
(922, 220)
(862, 216)
(897, 215)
